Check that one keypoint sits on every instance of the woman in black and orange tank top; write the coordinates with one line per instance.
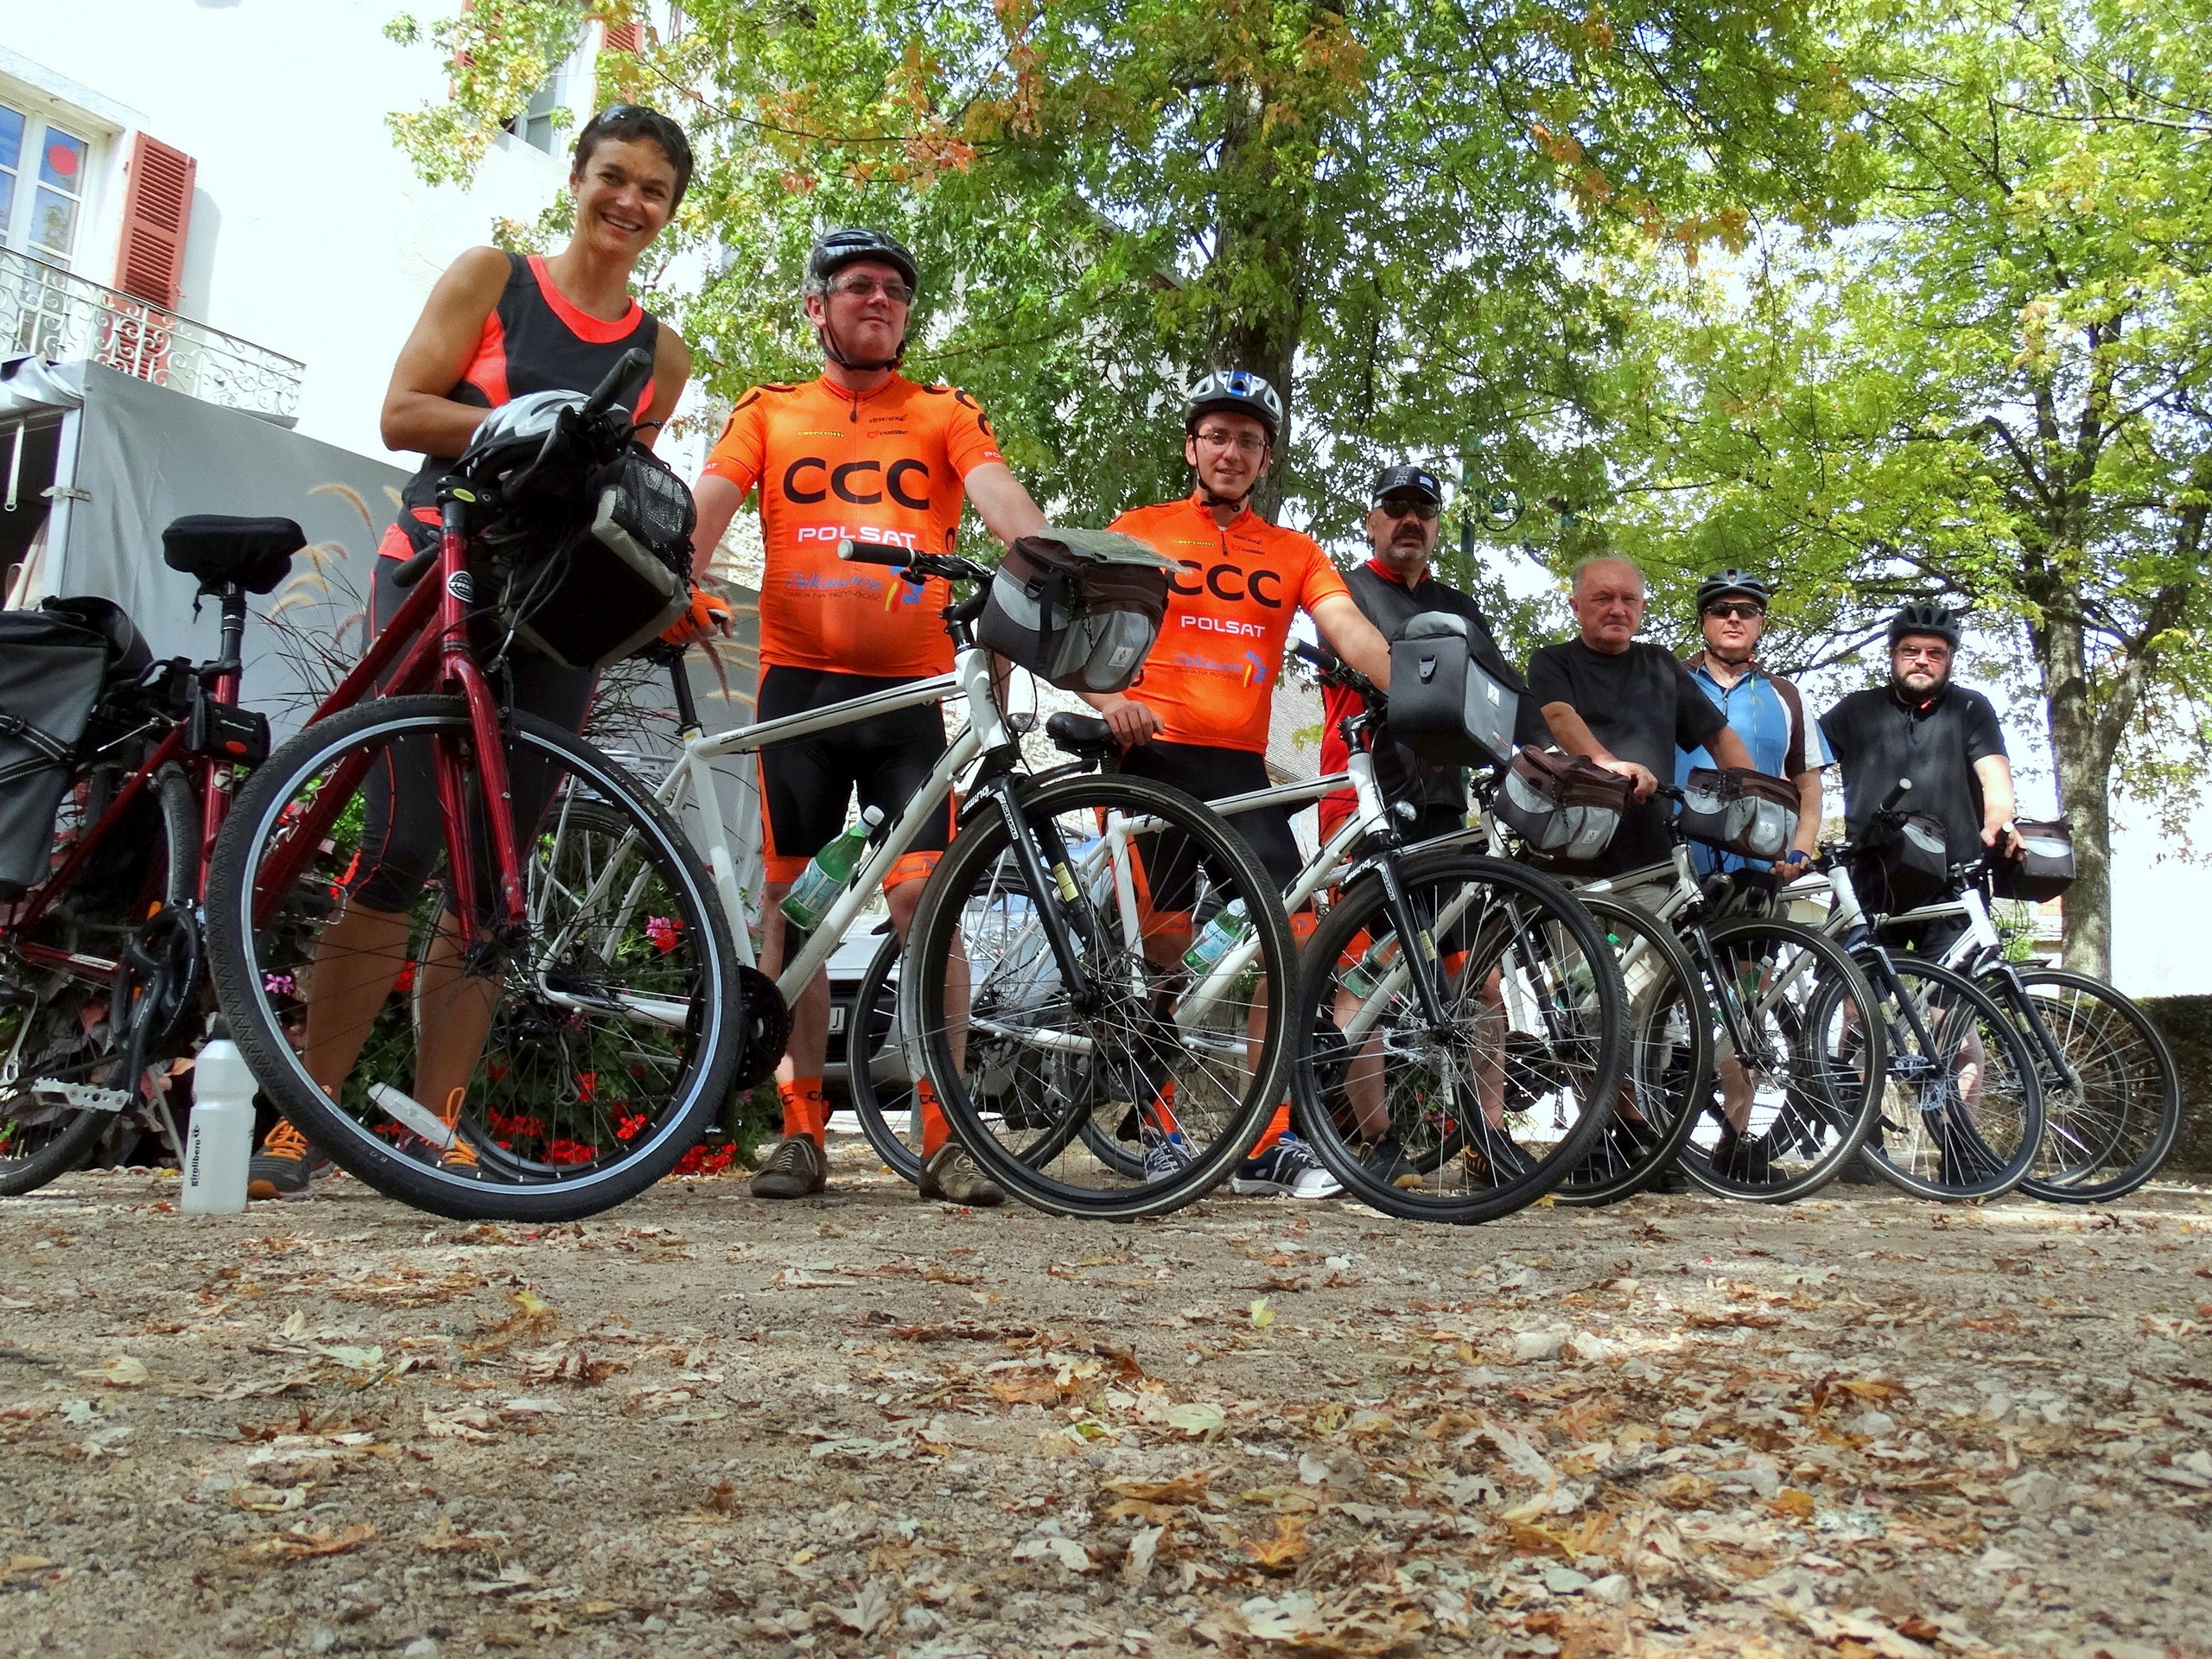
(496, 326)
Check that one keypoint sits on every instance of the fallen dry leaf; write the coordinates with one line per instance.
(120, 1372)
(299, 1544)
(1290, 1543)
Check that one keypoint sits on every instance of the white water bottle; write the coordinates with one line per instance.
(218, 1146)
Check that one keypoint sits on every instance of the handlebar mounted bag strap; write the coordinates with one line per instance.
(1444, 706)
(1563, 805)
(1747, 813)
(1080, 608)
(53, 668)
(2045, 871)
(1904, 866)
(616, 584)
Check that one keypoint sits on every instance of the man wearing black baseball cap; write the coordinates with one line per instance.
(1405, 508)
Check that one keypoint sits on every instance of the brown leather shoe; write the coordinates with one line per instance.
(796, 1169)
(951, 1177)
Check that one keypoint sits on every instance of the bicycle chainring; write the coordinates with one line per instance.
(767, 1028)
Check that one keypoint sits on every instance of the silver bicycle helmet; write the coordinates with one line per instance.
(515, 432)
(1237, 391)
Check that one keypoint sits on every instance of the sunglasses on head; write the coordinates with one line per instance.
(1740, 611)
(1400, 507)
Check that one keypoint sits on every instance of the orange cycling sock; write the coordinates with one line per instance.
(804, 1110)
(460, 1155)
(1160, 1117)
(935, 1130)
(1278, 1126)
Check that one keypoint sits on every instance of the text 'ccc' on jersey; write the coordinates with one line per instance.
(885, 469)
(1212, 675)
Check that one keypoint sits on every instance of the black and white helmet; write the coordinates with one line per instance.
(1236, 391)
(516, 432)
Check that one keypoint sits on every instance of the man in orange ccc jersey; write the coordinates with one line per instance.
(1197, 717)
(864, 454)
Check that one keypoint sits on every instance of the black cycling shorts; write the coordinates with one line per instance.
(807, 783)
(404, 835)
(1210, 773)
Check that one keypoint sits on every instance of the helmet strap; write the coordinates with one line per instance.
(838, 355)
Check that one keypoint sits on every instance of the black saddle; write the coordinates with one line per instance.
(255, 553)
(1082, 734)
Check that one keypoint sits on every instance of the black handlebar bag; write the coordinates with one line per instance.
(1747, 813)
(1903, 866)
(1080, 608)
(2045, 870)
(616, 584)
(1444, 705)
(56, 662)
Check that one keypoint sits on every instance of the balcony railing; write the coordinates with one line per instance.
(53, 314)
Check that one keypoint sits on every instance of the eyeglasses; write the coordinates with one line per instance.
(1401, 506)
(865, 288)
(1736, 613)
(1217, 437)
(1921, 653)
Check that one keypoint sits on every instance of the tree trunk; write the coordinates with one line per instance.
(2081, 749)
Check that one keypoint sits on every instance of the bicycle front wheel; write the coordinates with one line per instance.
(1471, 1110)
(1962, 1110)
(591, 1049)
(1799, 1060)
(1098, 1076)
(2111, 1092)
(877, 1077)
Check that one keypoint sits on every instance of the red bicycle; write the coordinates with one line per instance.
(556, 1013)
(102, 977)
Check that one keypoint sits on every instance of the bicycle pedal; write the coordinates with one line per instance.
(413, 1115)
(80, 1096)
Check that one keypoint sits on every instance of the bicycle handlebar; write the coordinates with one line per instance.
(853, 553)
(623, 384)
(1894, 798)
(915, 566)
(1334, 671)
(410, 571)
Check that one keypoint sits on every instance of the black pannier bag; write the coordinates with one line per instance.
(55, 664)
(1564, 805)
(1080, 608)
(1444, 706)
(614, 585)
(2045, 872)
(1747, 813)
(1903, 866)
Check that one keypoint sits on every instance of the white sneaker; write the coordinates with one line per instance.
(1164, 1159)
(1288, 1169)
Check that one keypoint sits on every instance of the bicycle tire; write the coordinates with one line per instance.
(1668, 1065)
(1513, 949)
(50, 1018)
(1162, 1073)
(1820, 1096)
(878, 1100)
(1919, 1088)
(2073, 1150)
(549, 1057)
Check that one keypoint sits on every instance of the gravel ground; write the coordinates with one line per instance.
(1859, 1426)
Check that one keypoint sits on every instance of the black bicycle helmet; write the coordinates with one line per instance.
(1236, 392)
(847, 247)
(1733, 580)
(1928, 618)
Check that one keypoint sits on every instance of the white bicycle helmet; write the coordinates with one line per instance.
(516, 431)
(1236, 391)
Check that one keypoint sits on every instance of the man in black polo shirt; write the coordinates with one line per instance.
(1395, 586)
(1627, 705)
(1943, 737)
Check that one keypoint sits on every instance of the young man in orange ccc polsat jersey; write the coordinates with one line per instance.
(1197, 717)
(860, 452)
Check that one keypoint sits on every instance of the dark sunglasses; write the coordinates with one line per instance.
(1400, 507)
(1740, 612)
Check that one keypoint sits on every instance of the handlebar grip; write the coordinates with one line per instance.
(853, 553)
(410, 571)
(1313, 656)
(623, 382)
(1890, 802)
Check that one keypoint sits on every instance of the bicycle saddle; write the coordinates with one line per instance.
(255, 553)
(1081, 734)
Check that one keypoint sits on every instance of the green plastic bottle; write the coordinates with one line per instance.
(828, 874)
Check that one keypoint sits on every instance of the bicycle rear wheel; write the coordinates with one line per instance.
(611, 1029)
(1128, 1087)
(1668, 1068)
(1477, 1115)
(2111, 1116)
(1799, 1059)
(1962, 1108)
(60, 1031)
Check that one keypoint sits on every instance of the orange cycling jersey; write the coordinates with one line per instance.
(1229, 612)
(886, 468)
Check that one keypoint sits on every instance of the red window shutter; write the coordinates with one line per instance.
(156, 214)
(624, 37)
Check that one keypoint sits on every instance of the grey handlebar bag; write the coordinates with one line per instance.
(1080, 608)
(1444, 706)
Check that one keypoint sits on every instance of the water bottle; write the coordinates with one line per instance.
(827, 874)
(1363, 975)
(218, 1146)
(1223, 934)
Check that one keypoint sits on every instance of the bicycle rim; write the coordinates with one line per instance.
(1961, 1112)
(609, 1026)
(1473, 1118)
(1793, 1100)
(877, 1078)
(1142, 1097)
(1669, 1059)
(2111, 1115)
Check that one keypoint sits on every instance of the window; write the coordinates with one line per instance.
(45, 170)
(539, 125)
